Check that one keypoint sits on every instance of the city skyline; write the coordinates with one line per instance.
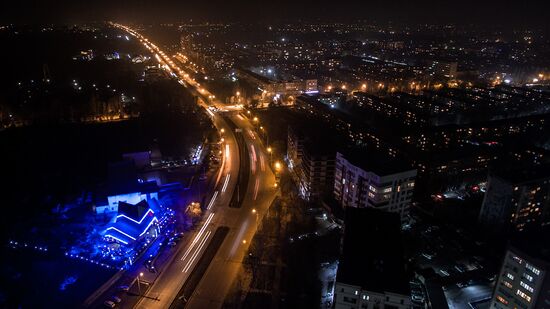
(507, 15)
(275, 155)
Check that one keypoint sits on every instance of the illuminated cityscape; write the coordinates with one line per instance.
(176, 154)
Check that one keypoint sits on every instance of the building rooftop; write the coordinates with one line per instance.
(373, 254)
(522, 175)
(131, 222)
(376, 162)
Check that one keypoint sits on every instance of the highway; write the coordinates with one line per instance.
(239, 221)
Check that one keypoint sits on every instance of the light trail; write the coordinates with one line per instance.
(196, 253)
(253, 159)
(226, 182)
(212, 200)
(227, 151)
(256, 187)
(262, 163)
(197, 237)
(251, 134)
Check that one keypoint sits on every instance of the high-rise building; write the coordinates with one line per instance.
(371, 273)
(312, 163)
(443, 68)
(368, 181)
(517, 199)
(523, 281)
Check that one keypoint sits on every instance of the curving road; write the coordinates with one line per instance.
(218, 270)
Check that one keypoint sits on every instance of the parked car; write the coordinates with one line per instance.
(117, 299)
(124, 288)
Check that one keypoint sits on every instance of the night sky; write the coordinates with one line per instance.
(502, 13)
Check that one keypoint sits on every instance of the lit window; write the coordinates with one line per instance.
(510, 276)
(528, 277)
(533, 269)
(526, 286)
(517, 259)
(502, 300)
(507, 284)
(523, 295)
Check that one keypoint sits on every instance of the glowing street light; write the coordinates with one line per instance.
(255, 119)
(222, 130)
(139, 283)
(277, 166)
(270, 151)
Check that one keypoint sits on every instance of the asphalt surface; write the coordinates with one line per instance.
(242, 222)
(189, 287)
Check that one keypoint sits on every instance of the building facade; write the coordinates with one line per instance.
(311, 163)
(516, 201)
(523, 282)
(371, 273)
(356, 185)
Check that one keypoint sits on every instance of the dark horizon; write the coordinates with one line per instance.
(506, 14)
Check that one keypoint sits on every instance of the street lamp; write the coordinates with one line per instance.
(256, 213)
(139, 283)
(222, 130)
(270, 151)
(255, 119)
(277, 166)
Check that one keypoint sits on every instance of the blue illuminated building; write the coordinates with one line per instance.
(133, 223)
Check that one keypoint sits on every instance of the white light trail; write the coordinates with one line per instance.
(197, 237)
(196, 253)
(227, 151)
(212, 200)
(226, 182)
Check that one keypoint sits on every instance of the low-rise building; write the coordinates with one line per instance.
(132, 223)
(124, 185)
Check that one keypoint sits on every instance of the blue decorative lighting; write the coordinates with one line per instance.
(142, 218)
